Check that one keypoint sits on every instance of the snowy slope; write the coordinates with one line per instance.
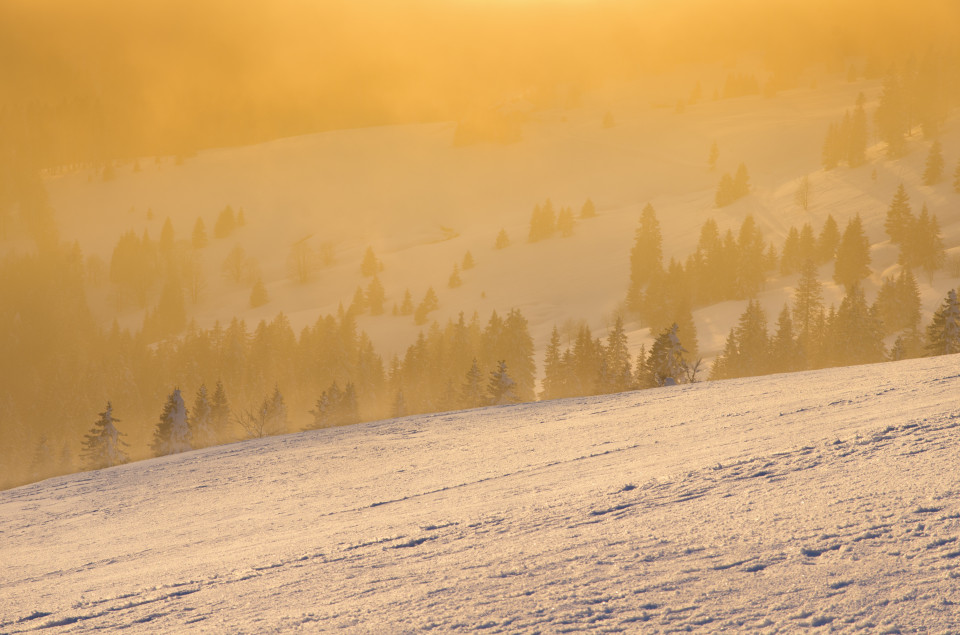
(821, 498)
(396, 187)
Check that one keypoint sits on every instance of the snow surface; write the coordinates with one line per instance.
(763, 504)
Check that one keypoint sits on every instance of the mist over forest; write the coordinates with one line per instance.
(221, 220)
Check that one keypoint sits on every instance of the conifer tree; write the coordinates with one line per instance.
(891, 116)
(899, 216)
(101, 447)
(741, 182)
(258, 294)
(853, 255)
(455, 280)
(468, 262)
(943, 333)
(406, 307)
(667, 362)
(828, 241)
(358, 305)
(472, 392)
(588, 210)
(830, 155)
(926, 244)
(855, 334)
(172, 434)
(857, 142)
(617, 360)
(714, 156)
(552, 368)
(503, 241)
(790, 258)
(725, 191)
(370, 264)
(219, 413)
(785, 352)
(201, 421)
(933, 172)
(375, 296)
(646, 255)
(428, 304)
(226, 223)
(199, 238)
(501, 387)
(802, 195)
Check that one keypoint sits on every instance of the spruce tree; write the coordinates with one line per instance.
(468, 262)
(406, 307)
(933, 171)
(226, 223)
(455, 280)
(428, 304)
(646, 255)
(891, 116)
(101, 447)
(855, 334)
(220, 413)
(502, 241)
(857, 142)
(588, 210)
(725, 191)
(375, 296)
(369, 266)
(667, 360)
(201, 421)
(790, 258)
(943, 333)
(501, 387)
(552, 368)
(617, 357)
(258, 294)
(741, 182)
(828, 241)
(899, 216)
(853, 255)
(786, 355)
(172, 434)
(472, 392)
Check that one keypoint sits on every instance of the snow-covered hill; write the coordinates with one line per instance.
(421, 202)
(821, 498)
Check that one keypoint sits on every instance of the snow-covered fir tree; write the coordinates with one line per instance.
(172, 434)
(501, 388)
(101, 447)
(943, 333)
(667, 362)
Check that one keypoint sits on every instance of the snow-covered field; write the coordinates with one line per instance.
(828, 498)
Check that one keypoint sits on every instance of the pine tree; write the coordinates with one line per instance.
(588, 210)
(165, 245)
(258, 294)
(375, 296)
(199, 234)
(468, 262)
(172, 434)
(201, 421)
(553, 369)
(101, 447)
(891, 116)
(943, 333)
(899, 216)
(933, 172)
(500, 389)
(853, 255)
(926, 243)
(790, 258)
(503, 241)
(830, 155)
(725, 191)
